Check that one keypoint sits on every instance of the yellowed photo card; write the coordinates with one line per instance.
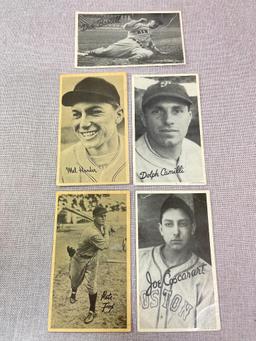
(90, 279)
(128, 38)
(93, 123)
(176, 272)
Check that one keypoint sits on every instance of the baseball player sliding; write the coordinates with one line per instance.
(175, 285)
(137, 46)
(84, 260)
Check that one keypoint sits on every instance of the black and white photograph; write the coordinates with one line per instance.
(93, 129)
(168, 137)
(176, 272)
(90, 283)
(128, 38)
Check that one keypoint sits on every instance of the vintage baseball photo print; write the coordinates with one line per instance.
(90, 281)
(128, 38)
(93, 135)
(176, 272)
(168, 137)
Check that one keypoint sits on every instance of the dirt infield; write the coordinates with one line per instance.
(167, 39)
(111, 281)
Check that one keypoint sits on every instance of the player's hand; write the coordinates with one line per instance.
(143, 20)
(71, 251)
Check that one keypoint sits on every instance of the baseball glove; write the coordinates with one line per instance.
(71, 251)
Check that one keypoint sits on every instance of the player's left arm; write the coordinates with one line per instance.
(156, 50)
(206, 308)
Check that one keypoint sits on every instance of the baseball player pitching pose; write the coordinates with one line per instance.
(163, 153)
(137, 46)
(175, 285)
(84, 260)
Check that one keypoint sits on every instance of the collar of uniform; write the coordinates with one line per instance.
(84, 160)
(145, 150)
(174, 269)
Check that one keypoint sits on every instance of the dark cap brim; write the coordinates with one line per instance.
(72, 97)
(99, 212)
(186, 100)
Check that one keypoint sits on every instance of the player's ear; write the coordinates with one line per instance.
(119, 115)
(160, 228)
(190, 115)
(193, 229)
(142, 117)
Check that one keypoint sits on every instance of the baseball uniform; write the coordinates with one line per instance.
(84, 264)
(137, 45)
(151, 167)
(177, 297)
(76, 166)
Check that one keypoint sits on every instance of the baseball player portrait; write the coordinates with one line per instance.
(168, 146)
(90, 265)
(93, 144)
(176, 283)
(129, 38)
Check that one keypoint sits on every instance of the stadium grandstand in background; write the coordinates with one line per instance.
(115, 20)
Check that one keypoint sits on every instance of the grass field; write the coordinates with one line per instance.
(167, 39)
(111, 278)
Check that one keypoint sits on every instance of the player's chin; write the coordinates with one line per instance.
(96, 142)
(176, 246)
(171, 142)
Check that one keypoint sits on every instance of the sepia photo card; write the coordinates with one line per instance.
(90, 278)
(93, 129)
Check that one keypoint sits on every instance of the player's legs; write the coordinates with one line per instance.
(140, 54)
(91, 284)
(121, 49)
(77, 269)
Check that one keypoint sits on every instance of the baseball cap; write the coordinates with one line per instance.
(166, 89)
(99, 211)
(90, 89)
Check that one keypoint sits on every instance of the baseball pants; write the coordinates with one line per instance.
(81, 269)
(126, 48)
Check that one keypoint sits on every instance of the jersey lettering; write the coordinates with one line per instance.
(154, 299)
(185, 310)
(167, 295)
(144, 300)
(175, 302)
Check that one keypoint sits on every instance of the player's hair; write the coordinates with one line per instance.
(175, 202)
(158, 21)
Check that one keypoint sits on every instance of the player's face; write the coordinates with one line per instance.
(166, 122)
(153, 24)
(100, 219)
(95, 123)
(176, 229)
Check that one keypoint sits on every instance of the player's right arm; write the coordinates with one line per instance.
(131, 24)
(101, 241)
